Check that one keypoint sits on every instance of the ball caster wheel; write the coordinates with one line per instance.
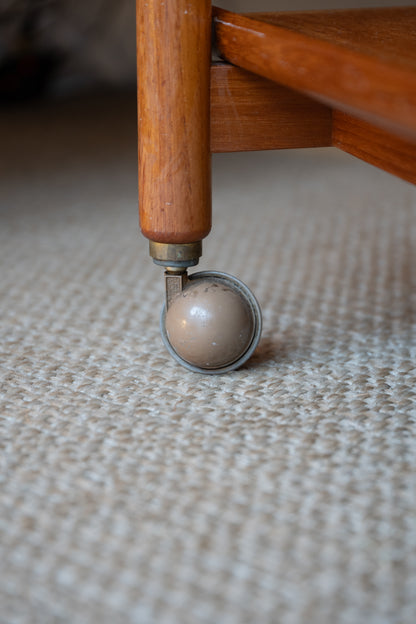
(211, 323)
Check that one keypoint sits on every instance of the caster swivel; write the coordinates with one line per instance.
(211, 322)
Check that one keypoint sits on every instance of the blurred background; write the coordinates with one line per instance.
(57, 47)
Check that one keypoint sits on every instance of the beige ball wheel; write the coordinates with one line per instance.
(214, 325)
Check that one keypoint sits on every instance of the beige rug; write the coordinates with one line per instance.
(133, 491)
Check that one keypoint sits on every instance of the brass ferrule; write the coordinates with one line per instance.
(176, 255)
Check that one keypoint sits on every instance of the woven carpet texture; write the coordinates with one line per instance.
(134, 491)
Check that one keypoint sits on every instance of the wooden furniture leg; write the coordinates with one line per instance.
(173, 61)
(221, 327)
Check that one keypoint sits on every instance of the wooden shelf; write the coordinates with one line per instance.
(361, 61)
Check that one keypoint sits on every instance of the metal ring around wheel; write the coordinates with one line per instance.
(254, 306)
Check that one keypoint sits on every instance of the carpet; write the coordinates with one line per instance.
(134, 491)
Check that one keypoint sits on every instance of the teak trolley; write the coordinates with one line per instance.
(344, 78)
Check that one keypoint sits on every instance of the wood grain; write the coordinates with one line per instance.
(375, 146)
(249, 112)
(173, 59)
(359, 61)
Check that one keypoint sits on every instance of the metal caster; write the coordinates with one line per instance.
(211, 322)
(213, 325)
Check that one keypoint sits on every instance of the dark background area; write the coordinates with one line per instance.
(56, 47)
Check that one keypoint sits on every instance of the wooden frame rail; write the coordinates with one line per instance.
(249, 112)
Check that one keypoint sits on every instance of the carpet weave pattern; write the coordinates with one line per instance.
(133, 491)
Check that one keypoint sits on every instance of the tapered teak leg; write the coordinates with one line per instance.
(173, 61)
